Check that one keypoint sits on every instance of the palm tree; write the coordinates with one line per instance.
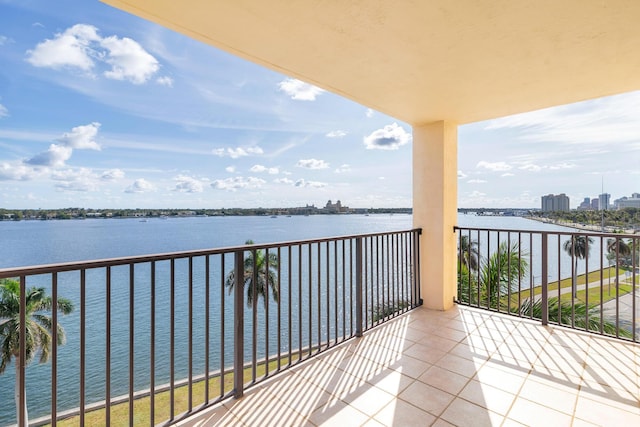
(501, 272)
(578, 247)
(616, 248)
(257, 267)
(560, 312)
(38, 328)
(470, 255)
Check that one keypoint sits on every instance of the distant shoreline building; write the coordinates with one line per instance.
(335, 208)
(555, 203)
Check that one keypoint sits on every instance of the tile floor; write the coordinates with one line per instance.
(462, 367)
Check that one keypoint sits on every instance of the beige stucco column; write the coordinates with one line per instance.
(435, 200)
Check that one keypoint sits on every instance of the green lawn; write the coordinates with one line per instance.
(142, 406)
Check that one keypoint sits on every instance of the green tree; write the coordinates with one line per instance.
(616, 248)
(560, 312)
(261, 269)
(501, 272)
(38, 328)
(578, 247)
(470, 255)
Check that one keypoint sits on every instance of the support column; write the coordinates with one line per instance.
(435, 202)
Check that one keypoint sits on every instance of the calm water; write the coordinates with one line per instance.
(44, 242)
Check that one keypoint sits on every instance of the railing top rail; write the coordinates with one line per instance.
(577, 233)
(107, 262)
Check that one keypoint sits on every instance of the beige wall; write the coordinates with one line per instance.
(435, 191)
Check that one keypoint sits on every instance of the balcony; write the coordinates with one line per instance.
(340, 335)
(463, 366)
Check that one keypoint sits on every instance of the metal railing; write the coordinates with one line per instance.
(586, 281)
(160, 337)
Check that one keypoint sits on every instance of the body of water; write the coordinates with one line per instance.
(45, 242)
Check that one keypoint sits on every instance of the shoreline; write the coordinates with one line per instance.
(584, 227)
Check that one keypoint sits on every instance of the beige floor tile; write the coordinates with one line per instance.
(549, 396)
(401, 414)
(425, 353)
(392, 382)
(368, 400)
(410, 367)
(463, 413)
(442, 423)
(459, 365)
(500, 378)
(427, 398)
(444, 380)
(533, 414)
(486, 396)
(337, 413)
(601, 413)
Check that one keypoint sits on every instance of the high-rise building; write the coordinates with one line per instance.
(585, 205)
(595, 204)
(555, 203)
(604, 200)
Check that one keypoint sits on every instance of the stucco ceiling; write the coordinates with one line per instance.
(426, 60)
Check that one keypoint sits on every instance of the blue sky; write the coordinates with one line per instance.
(100, 109)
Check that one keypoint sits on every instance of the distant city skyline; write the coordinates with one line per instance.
(99, 109)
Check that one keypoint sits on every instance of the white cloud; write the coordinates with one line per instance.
(260, 168)
(55, 156)
(476, 181)
(314, 184)
(564, 165)
(230, 169)
(238, 183)
(461, 174)
(187, 184)
(82, 179)
(128, 60)
(165, 81)
(336, 134)
(17, 171)
(82, 48)
(140, 185)
(236, 153)
(112, 175)
(598, 122)
(286, 181)
(343, 168)
(391, 137)
(507, 174)
(477, 194)
(299, 90)
(3, 40)
(4, 112)
(495, 166)
(81, 137)
(72, 48)
(369, 112)
(312, 164)
(530, 167)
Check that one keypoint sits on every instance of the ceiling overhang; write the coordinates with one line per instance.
(422, 61)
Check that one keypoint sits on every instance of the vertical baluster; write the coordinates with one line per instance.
(207, 290)
(83, 342)
(152, 348)
(131, 344)
(22, 358)
(254, 316)
(190, 339)
(359, 287)
(107, 363)
(222, 317)
(545, 284)
(172, 339)
(267, 271)
(279, 255)
(54, 349)
(238, 325)
(319, 296)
